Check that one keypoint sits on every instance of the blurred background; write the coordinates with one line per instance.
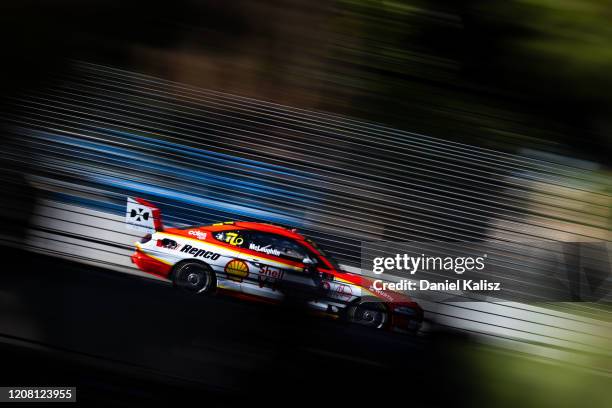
(350, 120)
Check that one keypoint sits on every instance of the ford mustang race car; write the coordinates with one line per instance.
(263, 262)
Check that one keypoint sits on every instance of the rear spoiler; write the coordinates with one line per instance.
(141, 215)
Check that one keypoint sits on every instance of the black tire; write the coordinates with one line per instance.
(194, 277)
(369, 313)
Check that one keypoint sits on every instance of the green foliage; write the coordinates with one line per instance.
(504, 74)
(516, 380)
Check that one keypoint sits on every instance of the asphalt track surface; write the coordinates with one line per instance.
(129, 340)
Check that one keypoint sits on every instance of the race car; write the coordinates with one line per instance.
(264, 262)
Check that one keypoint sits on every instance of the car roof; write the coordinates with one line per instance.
(257, 226)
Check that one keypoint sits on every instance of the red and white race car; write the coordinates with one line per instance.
(263, 262)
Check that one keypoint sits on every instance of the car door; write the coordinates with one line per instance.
(234, 269)
(277, 265)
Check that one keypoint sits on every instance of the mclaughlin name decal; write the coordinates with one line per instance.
(269, 251)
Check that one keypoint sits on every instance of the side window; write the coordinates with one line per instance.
(276, 245)
(234, 237)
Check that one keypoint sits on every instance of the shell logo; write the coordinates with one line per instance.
(237, 270)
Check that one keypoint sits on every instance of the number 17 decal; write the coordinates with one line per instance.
(233, 239)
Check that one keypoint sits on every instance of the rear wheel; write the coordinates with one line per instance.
(370, 314)
(194, 277)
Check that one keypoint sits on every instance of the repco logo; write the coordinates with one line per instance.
(200, 252)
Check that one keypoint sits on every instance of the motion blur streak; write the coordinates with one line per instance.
(359, 122)
(97, 134)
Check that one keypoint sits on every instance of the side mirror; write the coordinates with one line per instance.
(308, 261)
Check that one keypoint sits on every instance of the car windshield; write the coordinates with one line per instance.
(331, 259)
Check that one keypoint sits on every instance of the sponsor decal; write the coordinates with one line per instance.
(224, 223)
(342, 292)
(237, 270)
(198, 234)
(168, 243)
(380, 293)
(269, 251)
(140, 214)
(269, 276)
(202, 253)
(233, 238)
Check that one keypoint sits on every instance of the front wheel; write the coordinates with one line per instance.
(370, 314)
(195, 277)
